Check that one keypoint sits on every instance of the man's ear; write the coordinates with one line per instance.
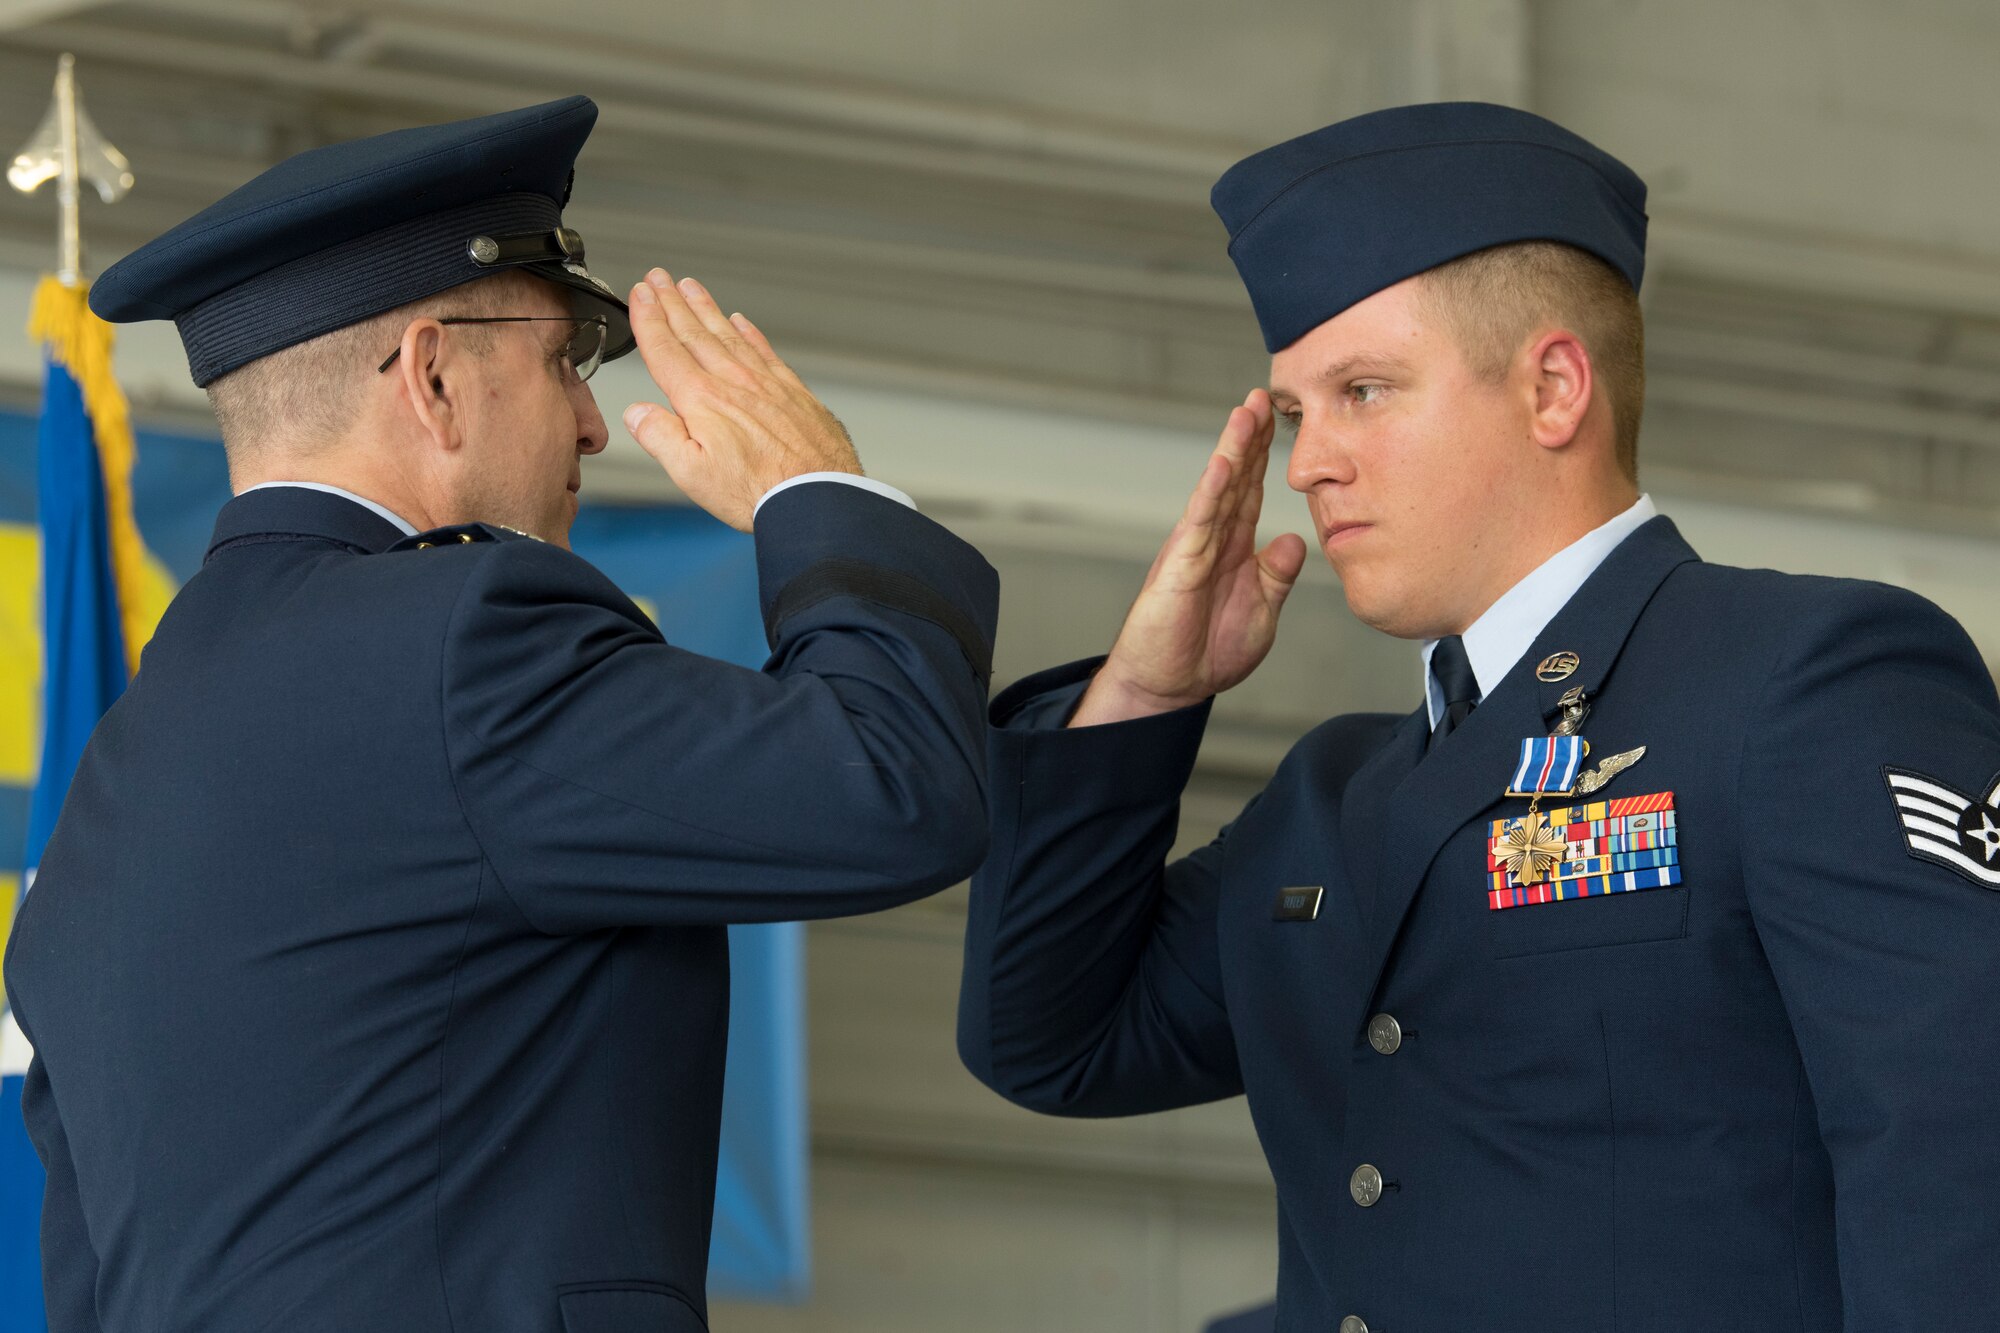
(429, 369)
(1564, 386)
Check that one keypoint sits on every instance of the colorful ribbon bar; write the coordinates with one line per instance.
(1607, 847)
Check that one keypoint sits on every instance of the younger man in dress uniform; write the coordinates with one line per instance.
(1698, 1028)
(376, 971)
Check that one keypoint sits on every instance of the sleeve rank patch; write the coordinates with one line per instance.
(1946, 827)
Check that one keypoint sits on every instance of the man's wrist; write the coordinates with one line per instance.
(882, 489)
(1110, 698)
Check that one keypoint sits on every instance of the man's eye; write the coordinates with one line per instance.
(1365, 393)
(1290, 421)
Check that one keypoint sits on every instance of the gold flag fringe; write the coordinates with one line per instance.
(61, 320)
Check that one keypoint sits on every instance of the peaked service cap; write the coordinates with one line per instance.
(1325, 220)
(336, 234)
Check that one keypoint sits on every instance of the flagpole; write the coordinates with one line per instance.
(69, 223)
(68, 150)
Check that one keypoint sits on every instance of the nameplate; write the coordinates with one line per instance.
(1299, 903)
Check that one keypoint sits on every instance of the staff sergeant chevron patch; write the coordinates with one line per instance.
(1941, 825)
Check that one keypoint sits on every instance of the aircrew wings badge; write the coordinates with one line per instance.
(1583, 851)
(1944, 826)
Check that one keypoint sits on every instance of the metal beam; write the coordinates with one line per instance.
(25, 13)
(990, 146)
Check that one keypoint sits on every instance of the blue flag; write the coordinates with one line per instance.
(83, 505)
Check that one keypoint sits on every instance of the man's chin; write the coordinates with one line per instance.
(1382, 610)
(561, 521)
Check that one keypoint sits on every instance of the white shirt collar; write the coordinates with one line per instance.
(408, 529)
(1496, 641)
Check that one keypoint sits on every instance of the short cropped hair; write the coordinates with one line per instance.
(1494, 300)
(301, 396)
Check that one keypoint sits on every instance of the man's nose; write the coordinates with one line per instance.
(591, 432)
(1317, 456)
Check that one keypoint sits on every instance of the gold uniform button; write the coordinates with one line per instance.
(1385, 1034)
(1365, 1185)
(1354, 1323)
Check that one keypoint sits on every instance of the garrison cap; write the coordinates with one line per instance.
(337, 234)
(1328, 219)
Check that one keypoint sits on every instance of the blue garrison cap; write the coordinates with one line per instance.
(1328, 219)
(336, 234)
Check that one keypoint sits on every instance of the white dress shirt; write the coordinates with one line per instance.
(1496, 641)
(882, 489)
(408, 530)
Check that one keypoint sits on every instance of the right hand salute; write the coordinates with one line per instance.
(741, 420)
(1208, 612)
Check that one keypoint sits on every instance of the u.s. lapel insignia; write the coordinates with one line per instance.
(1946, 827)
(1557, 666)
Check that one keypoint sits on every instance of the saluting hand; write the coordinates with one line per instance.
(741, 420)
(1208, 612)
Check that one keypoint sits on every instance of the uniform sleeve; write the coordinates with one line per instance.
(613, 779)
(1092, 984)
(69, 1263)
(1888, 962)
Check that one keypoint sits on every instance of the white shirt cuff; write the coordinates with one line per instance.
(882, 489)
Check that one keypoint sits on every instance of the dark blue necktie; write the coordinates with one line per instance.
(1456, 683)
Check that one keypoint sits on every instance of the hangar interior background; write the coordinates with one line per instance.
(981, 231)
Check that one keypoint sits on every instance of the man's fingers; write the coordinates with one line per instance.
(1259, 461)
(1236, 434)
(1246, 465)
(1258, 402)
(1190, 548)
(1205, 503)
(727, 335)
(1279, 566)
(755, 337)
(1239, 448)
(669, 362)
(1248, 433)
(687, 325)
(659, 432)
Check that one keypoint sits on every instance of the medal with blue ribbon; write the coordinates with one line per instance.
(1548, 766)
(1551, 765)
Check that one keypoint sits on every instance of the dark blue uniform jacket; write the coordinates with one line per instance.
(377, 970)
(1761, 1101)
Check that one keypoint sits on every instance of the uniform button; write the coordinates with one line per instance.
(1354, 1323)
(1365, 1185)
(1385, 1034)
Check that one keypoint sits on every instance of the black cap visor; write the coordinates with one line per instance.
(590, 297)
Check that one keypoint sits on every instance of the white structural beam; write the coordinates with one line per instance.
(1471, 51)
(25, 13)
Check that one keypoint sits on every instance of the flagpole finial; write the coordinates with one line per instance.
(68, 149)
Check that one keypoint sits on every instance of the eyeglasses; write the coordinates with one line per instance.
(583, 352)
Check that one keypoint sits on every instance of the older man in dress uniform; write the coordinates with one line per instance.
(1643, 977)
(376, 970)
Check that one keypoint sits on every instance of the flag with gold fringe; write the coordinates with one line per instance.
(97, 615)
